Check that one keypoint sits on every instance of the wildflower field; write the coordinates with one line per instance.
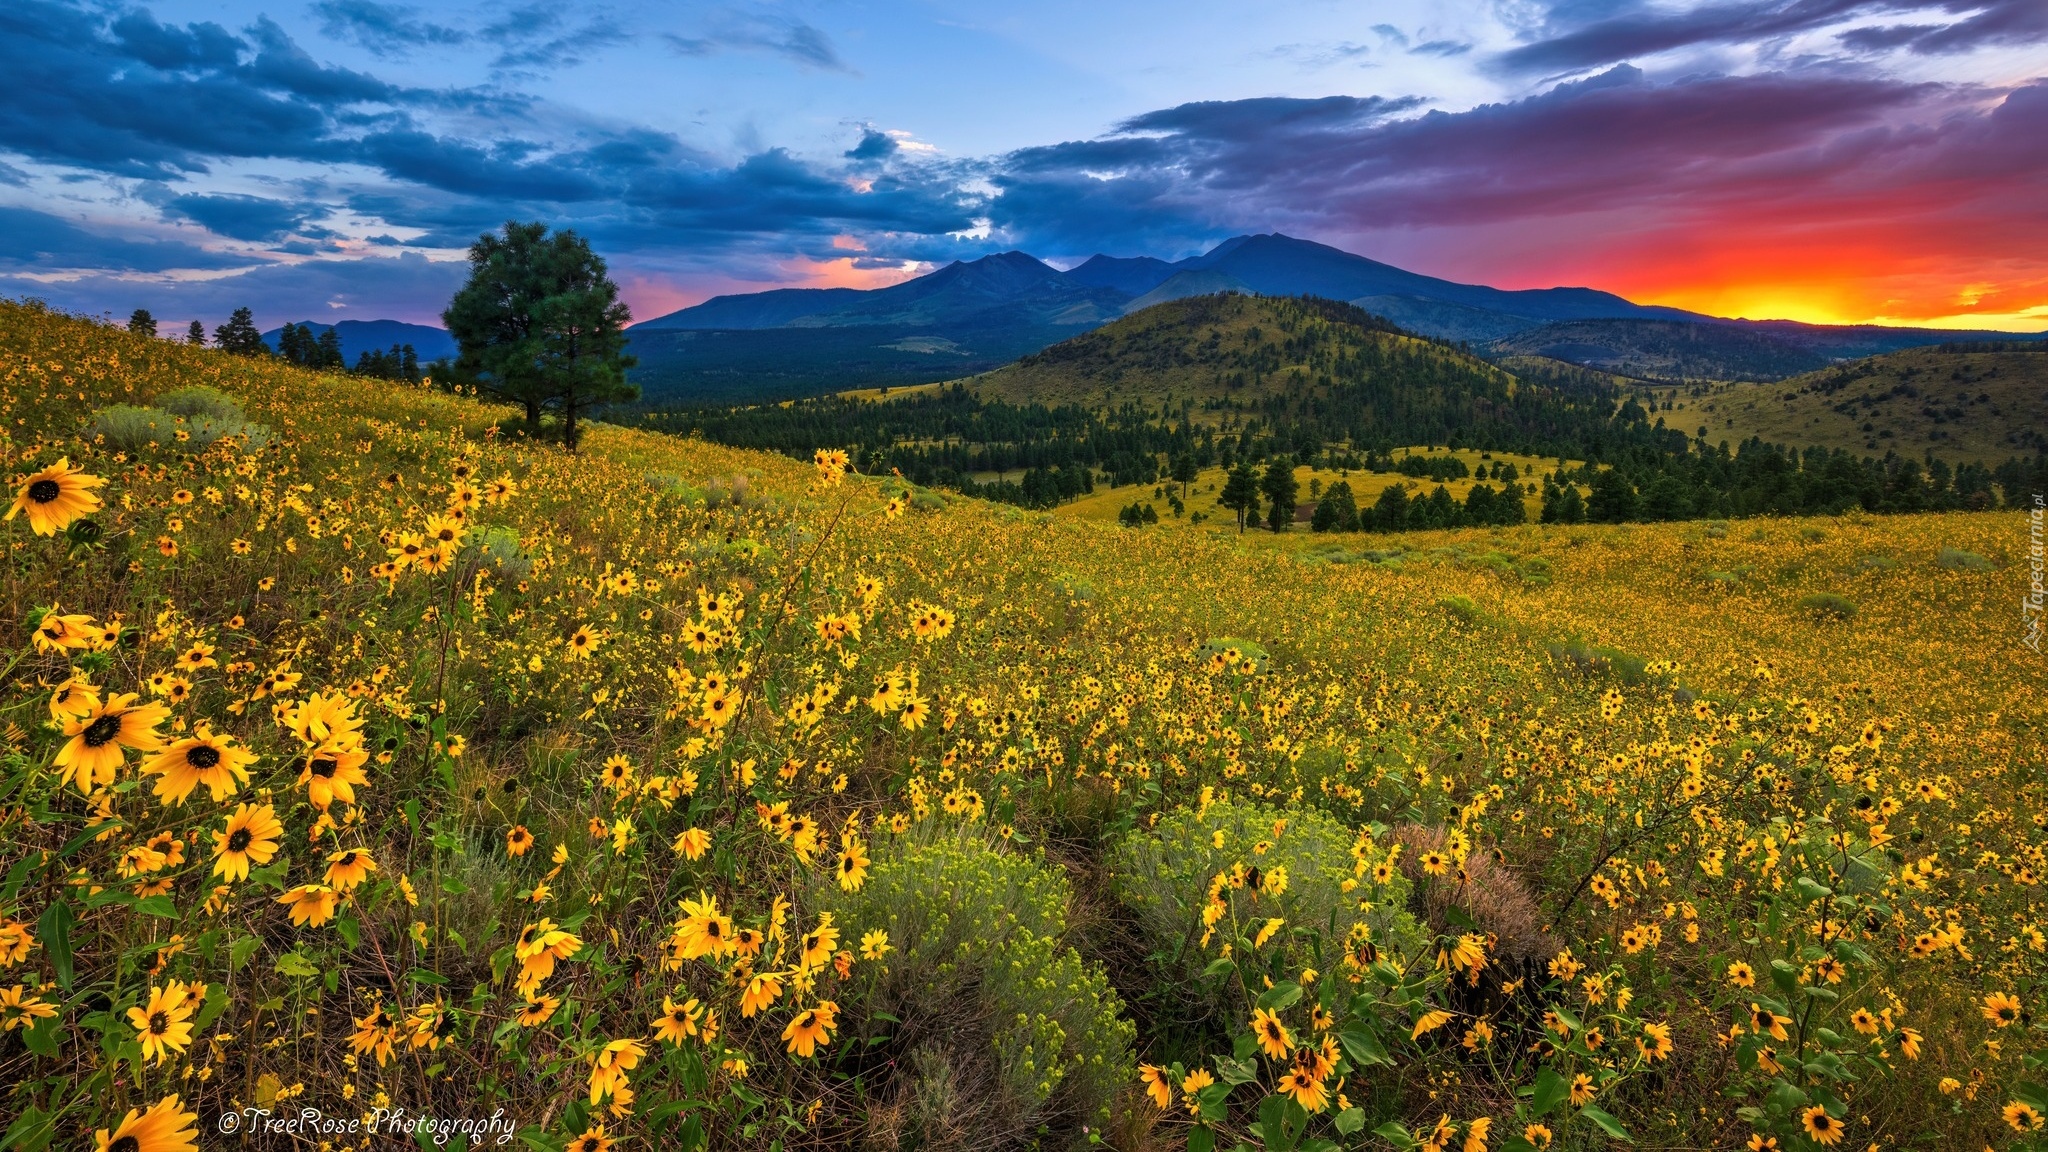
(357, 759)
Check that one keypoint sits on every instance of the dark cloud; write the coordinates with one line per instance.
(40, 242)
(780, 34)
(873, 146)
(535, 37)
(1444, 48)
(1615, 142)
(133, 97)
(1994, 22)
(393, 28)
(242, 217)
(1576, 38)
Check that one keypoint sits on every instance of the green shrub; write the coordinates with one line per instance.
(1163, 875)
(980, 973)
(1957, 560)
(127, 428)
(1462, 609)
(497, 548)
(1075, 588)
(196, 403)
(1577, 658)
(1828, 604)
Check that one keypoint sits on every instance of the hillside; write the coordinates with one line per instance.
(360, 336)
(1220, 353)
(1961, 405)
(1664, 350)
(685, 797)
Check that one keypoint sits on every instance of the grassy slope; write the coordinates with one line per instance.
(1826, 408)
(1181, 351)
(1967, 711)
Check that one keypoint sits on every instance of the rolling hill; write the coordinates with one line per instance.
(1961, 405)
(360, 336)
(1665, 350)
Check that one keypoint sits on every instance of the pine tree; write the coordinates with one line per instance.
(327, 349)
(289, 349)
(1281, 491)
(239, 335)
(1241, 493)
(142, 323)
(196, 334)
(540, 323)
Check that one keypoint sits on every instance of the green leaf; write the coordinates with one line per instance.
(1551, 1090)
(1608, 1124)
(1217, 968)
(241, 950)
(55, 930)
(1212, 1101)
(1812, 889)
(1280, 996)
(1350, 1120)
(1785, 976)
(1235, 1072)
(157, 906)
(1565, 1014)
(2028, 1092)
(45, 1037)
(1201, 1139)
(350, 931)
(1396, 1134)
(31, 1131)
(1363, 1047)
(295, 964)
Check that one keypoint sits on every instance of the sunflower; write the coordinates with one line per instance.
(73, 698)
(2002, 1008)
(250, 837)
(582, 642)
(18, 1008)
(703, 930)
(537, 1011)
(1825, 1129)
(1583, 1090)
(166, 1127)
(348, 868)
(163, 1024)
(853, 864)
(811, 1029)
(54, 498)
(374, 1034)
(693, 843)
(311, 904)
(815, 947)
(614, 1060)
(1272, 1034)
(57, 632)
(324, 718)
(592, 1140)
(763, 989)
(539, 946)
(93, 754)
(331, 772)
(202, 758)
(518, 841)
(2022, 1116)
(678, 1022)
(1158, 1084)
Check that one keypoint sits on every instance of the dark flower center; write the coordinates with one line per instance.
(125, 1144)
(102, 731)
(44, 491)
(159, 1023)
(323, 767)
(203, 756)
(238, 840)
(347, 861)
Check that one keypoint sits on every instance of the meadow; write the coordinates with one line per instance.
(359, 756)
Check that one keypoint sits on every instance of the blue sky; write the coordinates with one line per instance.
(1825, 159)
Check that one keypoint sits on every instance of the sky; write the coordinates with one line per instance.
(1834, 161)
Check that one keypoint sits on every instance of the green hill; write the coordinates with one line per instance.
(1960, 403)
(1671, 350)
(1227, 351)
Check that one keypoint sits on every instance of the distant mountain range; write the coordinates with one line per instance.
(360, 336)
(971, 316)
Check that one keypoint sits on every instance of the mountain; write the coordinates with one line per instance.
(1666, 349)
(1135, 275)
(1190, 282)
(770, 309)
(1276, 265)
(973, 315)
(359, 336)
